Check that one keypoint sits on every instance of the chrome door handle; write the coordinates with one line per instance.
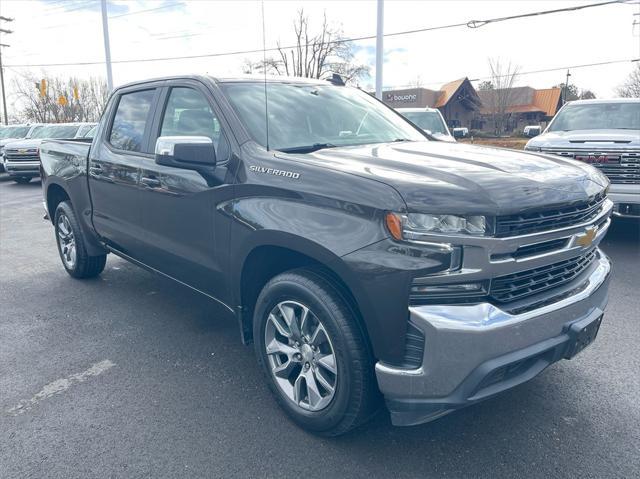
(150, 181)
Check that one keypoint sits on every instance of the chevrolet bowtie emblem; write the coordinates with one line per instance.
(587, 237)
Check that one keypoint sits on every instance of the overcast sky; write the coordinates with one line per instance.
(56, 31)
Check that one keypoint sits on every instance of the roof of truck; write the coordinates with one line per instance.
(604, 100)
(230, 79)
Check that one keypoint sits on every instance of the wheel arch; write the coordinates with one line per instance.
(76, 193)
(56, 194)
(263, 261)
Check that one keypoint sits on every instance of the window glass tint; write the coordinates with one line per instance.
(35, 131)
(188, 114)
(91, 133)
(598, 116)
(14, 132)
(56, 131)
(127, 132)
(308, 114)
(427, 120)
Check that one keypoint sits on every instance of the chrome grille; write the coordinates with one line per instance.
(549, 218)
(621, 167)
(13, 155)
(521, 285)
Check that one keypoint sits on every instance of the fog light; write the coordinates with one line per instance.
(438, 289)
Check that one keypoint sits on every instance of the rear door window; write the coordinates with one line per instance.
(188, 113)
(130, 121)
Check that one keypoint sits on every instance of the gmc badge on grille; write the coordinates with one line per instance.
(596, 158)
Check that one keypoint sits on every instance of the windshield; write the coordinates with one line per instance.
(91, 133)
(315, 115)
(35, 130)
(56, 131)
(598, 116)
(427, 120)
(14, 132)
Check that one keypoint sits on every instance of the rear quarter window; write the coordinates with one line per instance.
(130, 120)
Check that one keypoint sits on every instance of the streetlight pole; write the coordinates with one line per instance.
(4, 99)
(2, 45)
(379, 49)
(566, 88)
(107, 48)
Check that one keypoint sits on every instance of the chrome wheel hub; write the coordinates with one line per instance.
(66, 242)
(301, 356)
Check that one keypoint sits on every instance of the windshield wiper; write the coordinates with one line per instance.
(307, 148)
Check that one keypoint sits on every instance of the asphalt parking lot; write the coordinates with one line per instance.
(131, 375)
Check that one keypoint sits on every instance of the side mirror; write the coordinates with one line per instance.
(187, 152)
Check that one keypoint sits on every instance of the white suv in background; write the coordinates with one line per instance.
(430, 120)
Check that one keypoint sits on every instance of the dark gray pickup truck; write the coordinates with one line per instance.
(361, 257)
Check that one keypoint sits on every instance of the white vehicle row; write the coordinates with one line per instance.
(19, 145)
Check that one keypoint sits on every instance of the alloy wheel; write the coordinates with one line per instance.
(301, 356)
(66, 241)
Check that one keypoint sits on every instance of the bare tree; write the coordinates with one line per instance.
(485, 85)
(503, 79)
(65, 99)
(631, 87)
(574, 93)
(315, 55)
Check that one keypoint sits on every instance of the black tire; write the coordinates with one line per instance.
(356, 397)
(22, 180)
(83, 266)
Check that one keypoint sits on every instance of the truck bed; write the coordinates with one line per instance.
(61, 154)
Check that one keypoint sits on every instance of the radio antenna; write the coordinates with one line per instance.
(264, 69)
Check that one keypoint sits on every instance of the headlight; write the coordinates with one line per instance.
(532, 148)
(414, 226)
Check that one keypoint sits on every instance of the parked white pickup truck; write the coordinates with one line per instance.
(605, 134)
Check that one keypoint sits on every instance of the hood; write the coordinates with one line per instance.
(443, 137)
(24, 144)
(457, 178)
(609, 139)
(4, 141)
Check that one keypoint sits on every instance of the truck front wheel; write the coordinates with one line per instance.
(314, 354)
(71, 245)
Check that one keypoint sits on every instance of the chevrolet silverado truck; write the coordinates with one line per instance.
(15, 132)
(363, 259)
(605, 134)
(22, 158)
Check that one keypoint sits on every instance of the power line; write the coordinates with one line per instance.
(470, 24)
(137, 12)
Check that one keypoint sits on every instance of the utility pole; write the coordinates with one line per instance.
(107, 48)
(379, 49)
(3, 45)
(566, 88)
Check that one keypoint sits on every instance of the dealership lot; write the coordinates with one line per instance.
(131, 375)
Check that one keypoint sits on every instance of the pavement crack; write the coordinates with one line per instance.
(60, 385)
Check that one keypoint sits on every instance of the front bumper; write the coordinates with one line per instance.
(474, 351)
(626, 199)
(22, 168)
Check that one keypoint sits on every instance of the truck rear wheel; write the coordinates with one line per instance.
(313, 353)
(71, 245)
